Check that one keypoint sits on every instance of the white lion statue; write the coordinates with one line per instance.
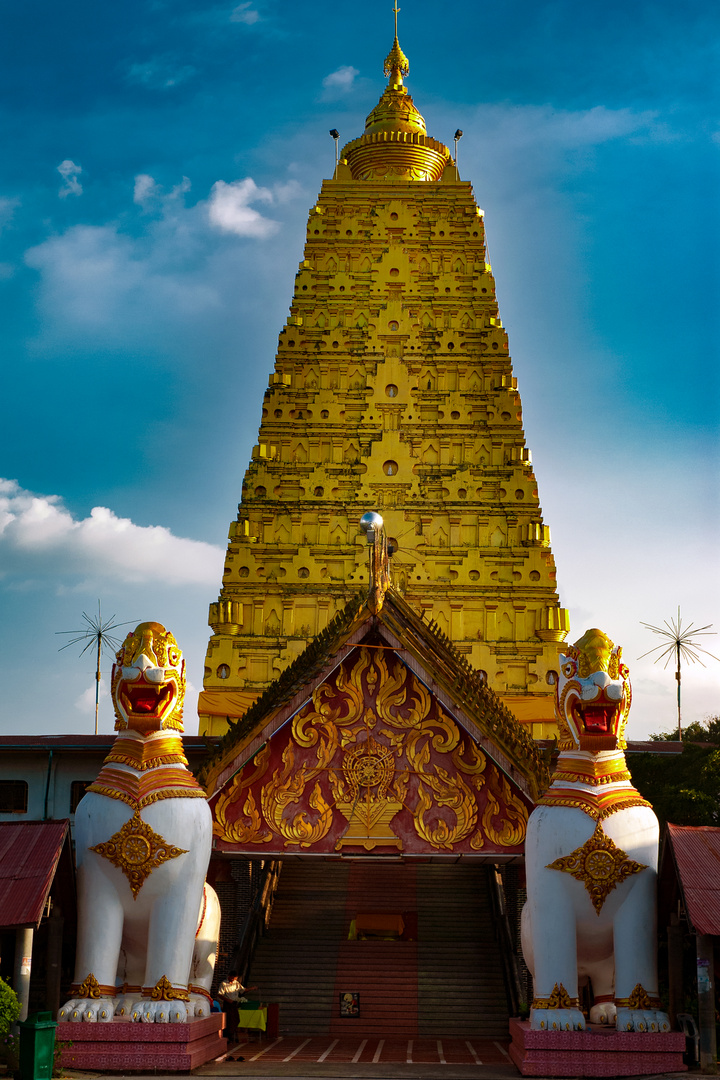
(147, 921)
(591, 857)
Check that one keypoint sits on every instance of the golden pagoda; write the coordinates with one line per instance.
(392, 391)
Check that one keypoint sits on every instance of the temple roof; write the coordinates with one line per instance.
(29, 855)
(690, 870)
(426, 650)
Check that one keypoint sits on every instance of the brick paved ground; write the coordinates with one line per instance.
(366, 1051)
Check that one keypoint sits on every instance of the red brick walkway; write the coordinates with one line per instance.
(375, 1051)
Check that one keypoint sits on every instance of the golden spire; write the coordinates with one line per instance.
(395, 111)
(395, 144)
(396, 62)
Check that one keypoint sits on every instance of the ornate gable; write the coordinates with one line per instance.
(373, 761)
(380, 738)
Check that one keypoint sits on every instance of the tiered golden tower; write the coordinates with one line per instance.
(392, 391)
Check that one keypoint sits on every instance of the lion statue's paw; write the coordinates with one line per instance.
(73, 1009)
(604, 1013)
(557, 1020)
(161, 1012)
(642, 1020)
(89, 1010)
(126, 1005)
(199, 1005)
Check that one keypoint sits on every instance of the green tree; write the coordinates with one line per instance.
(684, 788)
(9, 1012)
(708, 732)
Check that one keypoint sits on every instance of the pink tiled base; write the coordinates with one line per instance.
(122, 1046)
(598, 1051)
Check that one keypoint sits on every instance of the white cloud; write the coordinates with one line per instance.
(86, 702)
(229, 209)
(69, 172)
(145, 189)
(97, 280)
(159, 73)
(163, 276)
(341, 80)
(86, 271)
(526, 144)
(651, 551)
(582, 128)
(286, 192)
(180, 189)
(245, 13)
(39, 536)
(7, 209)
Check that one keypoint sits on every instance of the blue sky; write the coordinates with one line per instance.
(160, 159)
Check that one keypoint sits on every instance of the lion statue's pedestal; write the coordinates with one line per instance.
(148, 922)
(591, 856)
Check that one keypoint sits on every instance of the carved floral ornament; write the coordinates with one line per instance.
(559, 999)
(163, 990)
(91, 988)
(639, 999)
(372, 761)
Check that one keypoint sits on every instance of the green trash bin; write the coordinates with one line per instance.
(37, 1046)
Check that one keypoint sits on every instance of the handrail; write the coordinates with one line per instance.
(257, 919)
(513, 983)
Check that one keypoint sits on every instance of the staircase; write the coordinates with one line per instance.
(446, 981)
(385, 973)
(461, 990)
(295, 963)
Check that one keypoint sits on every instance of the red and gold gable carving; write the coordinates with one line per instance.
(373, 762)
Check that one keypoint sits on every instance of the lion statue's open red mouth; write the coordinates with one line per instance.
(593, 694)
(146, 699)
(148, 681)
(596, 719)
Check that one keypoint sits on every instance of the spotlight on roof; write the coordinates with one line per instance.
(336, 135)
(458, 136)
(371, 523)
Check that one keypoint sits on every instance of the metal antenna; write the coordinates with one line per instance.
(679, 644)
(95, 632)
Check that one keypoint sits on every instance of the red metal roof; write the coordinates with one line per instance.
(655, 746)
(88, 742)
(696, 852)
(29, 854)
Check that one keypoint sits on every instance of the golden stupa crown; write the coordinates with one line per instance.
(396, 144)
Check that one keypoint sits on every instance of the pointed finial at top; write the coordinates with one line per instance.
(396, 62)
